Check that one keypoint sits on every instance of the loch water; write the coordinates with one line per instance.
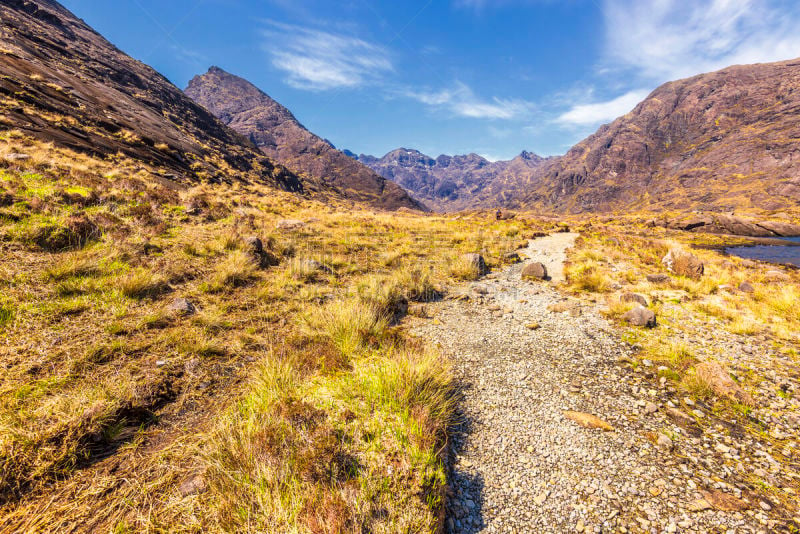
(773, 253)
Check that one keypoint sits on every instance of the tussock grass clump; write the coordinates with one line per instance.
(73, 265)
(6, 314)
(237, 269)
(141, 283)
(586, 276)
(340, 453)
(353, 325)
(461, 268)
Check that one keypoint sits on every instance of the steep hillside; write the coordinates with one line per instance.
(278, 134)
(720, 141)
(62, 82)
(457, 182)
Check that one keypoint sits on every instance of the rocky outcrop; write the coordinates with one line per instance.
(274, 129)
(64, 83)
(731, 224)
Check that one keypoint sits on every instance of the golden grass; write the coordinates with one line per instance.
(127, 377)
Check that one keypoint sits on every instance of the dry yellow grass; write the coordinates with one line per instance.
(111, 403)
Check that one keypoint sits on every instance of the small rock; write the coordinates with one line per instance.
(683, 263)
(640, 316)
(633, 297)
(664, 442)
(534, 270)
(192, 486)
(722, 501)
(776, 276)
(657, 278)
(539, 499)
(699, 505)
(17, 157)
(182, 306)
(511, 257)
(721, 383)
(579, 527)
(650, 408)
(289, 224)
(747, 287)
(533, 326)
(765, 506)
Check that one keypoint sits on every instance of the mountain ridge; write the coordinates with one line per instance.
(277, 132)
(457, 182)
(114, 104)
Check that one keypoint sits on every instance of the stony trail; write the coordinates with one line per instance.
(518, 464)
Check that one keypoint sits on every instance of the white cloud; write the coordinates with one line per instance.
(462, 101)
(319, 60)
(600, 112)
(664, 40)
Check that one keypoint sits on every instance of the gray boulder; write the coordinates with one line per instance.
(633, 297)
(640, 316)
(535, 270)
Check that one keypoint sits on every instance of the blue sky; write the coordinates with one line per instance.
(492, 77)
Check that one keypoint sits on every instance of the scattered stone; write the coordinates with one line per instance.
(721, 383)
(747, 287)
(539, 499)
(633, 297)
(683, 263)
(192, 486)
(289, 224)
(776, 276)
(664, 442)
(657, 278)
(699, 505)
(534, 270)
(476, 261)
(650, 408)
(511, 257)
(587, 420)
(723, 501)
(17, 157)
(533, 326)
(182, 306)
(640, 316)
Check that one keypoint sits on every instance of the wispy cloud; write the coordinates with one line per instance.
(668, 39)
(461, 101)
(648, 43)
(319, 60)
(600, 112)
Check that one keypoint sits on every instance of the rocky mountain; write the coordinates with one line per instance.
(274, 129)
(62, 82)
(451, 183)
(722, 141)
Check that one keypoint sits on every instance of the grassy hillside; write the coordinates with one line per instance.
(287, 400)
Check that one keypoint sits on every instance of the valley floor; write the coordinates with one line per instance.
(524, 355)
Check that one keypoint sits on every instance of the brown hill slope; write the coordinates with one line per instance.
(63, 82)
(457, 182)
(274, 129)
(721, 141)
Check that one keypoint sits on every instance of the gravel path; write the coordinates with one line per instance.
(518, 464)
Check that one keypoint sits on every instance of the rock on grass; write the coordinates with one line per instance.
(640, 316)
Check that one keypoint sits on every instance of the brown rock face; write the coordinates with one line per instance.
(274, 129)
(724, 140)
(449, 183)
(63, 82)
